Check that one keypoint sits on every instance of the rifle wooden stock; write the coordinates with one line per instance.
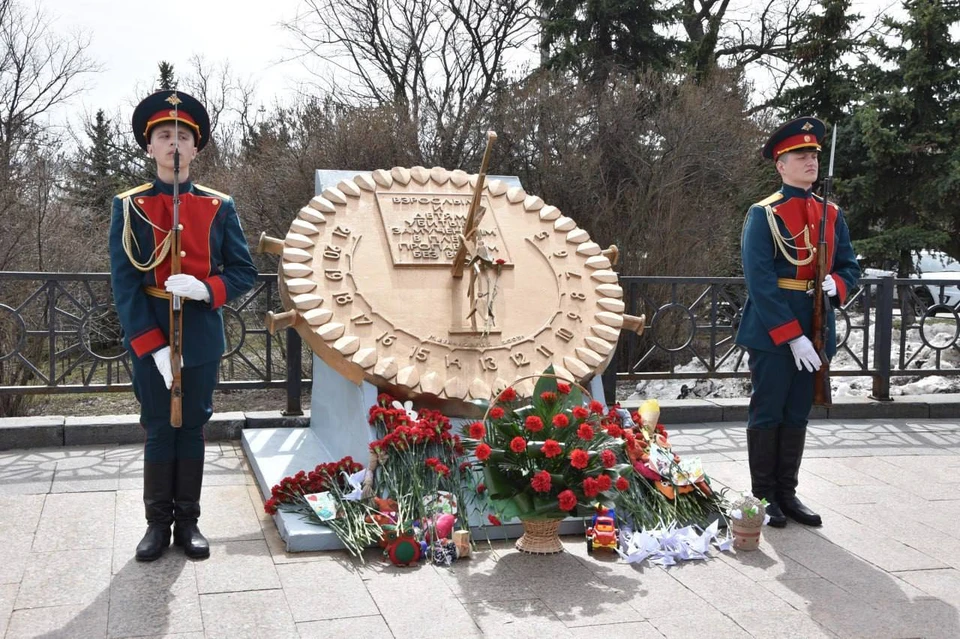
(458, 261)
(821, 306)
(176, 309)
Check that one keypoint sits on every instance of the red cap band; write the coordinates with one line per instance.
(801, 141)
(169, 115)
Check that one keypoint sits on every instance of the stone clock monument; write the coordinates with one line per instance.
(436, 286)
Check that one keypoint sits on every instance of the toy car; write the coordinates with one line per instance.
(603, 533)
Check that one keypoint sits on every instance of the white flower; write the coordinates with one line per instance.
(407, 406)
(736, 514)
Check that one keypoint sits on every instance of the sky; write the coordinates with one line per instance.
(128, 39)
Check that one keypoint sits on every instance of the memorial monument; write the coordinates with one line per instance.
(435, 286)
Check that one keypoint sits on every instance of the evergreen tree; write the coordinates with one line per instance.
(96, 175)
(904, 193)
(829, 86)
(592, 37)
(167, 79)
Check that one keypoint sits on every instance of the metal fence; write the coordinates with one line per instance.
(59, 333)
(887, 327)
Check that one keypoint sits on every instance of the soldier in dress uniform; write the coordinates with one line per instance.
(780, 234)
(215, 268)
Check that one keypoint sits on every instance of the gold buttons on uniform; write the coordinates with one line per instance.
(183, 253)
(216, 201)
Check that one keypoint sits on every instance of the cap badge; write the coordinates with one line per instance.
(173, 99)
(806, 138)
(806, 126)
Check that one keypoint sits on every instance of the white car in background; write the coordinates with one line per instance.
(929, 265)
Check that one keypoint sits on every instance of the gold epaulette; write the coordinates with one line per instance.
(135, 190)
(222, 196)
(771, 199)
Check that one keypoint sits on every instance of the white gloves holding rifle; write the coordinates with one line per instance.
(804, 354)
(829, 286)
(162, 359)
(189, 287)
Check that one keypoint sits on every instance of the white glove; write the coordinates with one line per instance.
(162, 359)
(829, 287)
(187, 286)
(804, 354)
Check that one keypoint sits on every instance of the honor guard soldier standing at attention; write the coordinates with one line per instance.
(169, 281)
(779, 241)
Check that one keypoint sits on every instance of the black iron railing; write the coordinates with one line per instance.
(887, 327)
(59, 333)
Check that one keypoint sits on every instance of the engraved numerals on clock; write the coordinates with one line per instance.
(361, 319)
(386, 339)
(489, 363)
(519, 359)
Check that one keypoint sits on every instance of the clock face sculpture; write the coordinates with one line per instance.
(367, 278)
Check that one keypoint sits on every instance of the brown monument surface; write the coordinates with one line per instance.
(368, 278)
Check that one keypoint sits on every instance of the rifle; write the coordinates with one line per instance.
(176, 304)
(474, 212)
(821, 305)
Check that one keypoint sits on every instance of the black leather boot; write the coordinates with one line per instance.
(158, 505)
(762, 450)
(186, 509)
(788, 476)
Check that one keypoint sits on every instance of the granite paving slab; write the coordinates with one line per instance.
(247, 615)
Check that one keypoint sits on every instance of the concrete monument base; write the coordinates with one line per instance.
(338, 427)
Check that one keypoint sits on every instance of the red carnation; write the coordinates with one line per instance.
(548, 396)
(500, 261)
(590, 487)
(533, 423)
(579, 458)
(585, 432)
(608, 459)
(551, 449)
(561, 421)
(563, 387)
(541, 482)
(568, 501)
(270, 506)
(477, 430)
(508, 394)
(496, 412)
(622, 483)
(493, 519)
(442, 469)
(482, 488)
(604, 482)
(483, 452)
(597, 407)
(431, 462)
(518, 444)
(614, 431)
(580, 412)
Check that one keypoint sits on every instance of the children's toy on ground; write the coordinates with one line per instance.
(602, 533)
